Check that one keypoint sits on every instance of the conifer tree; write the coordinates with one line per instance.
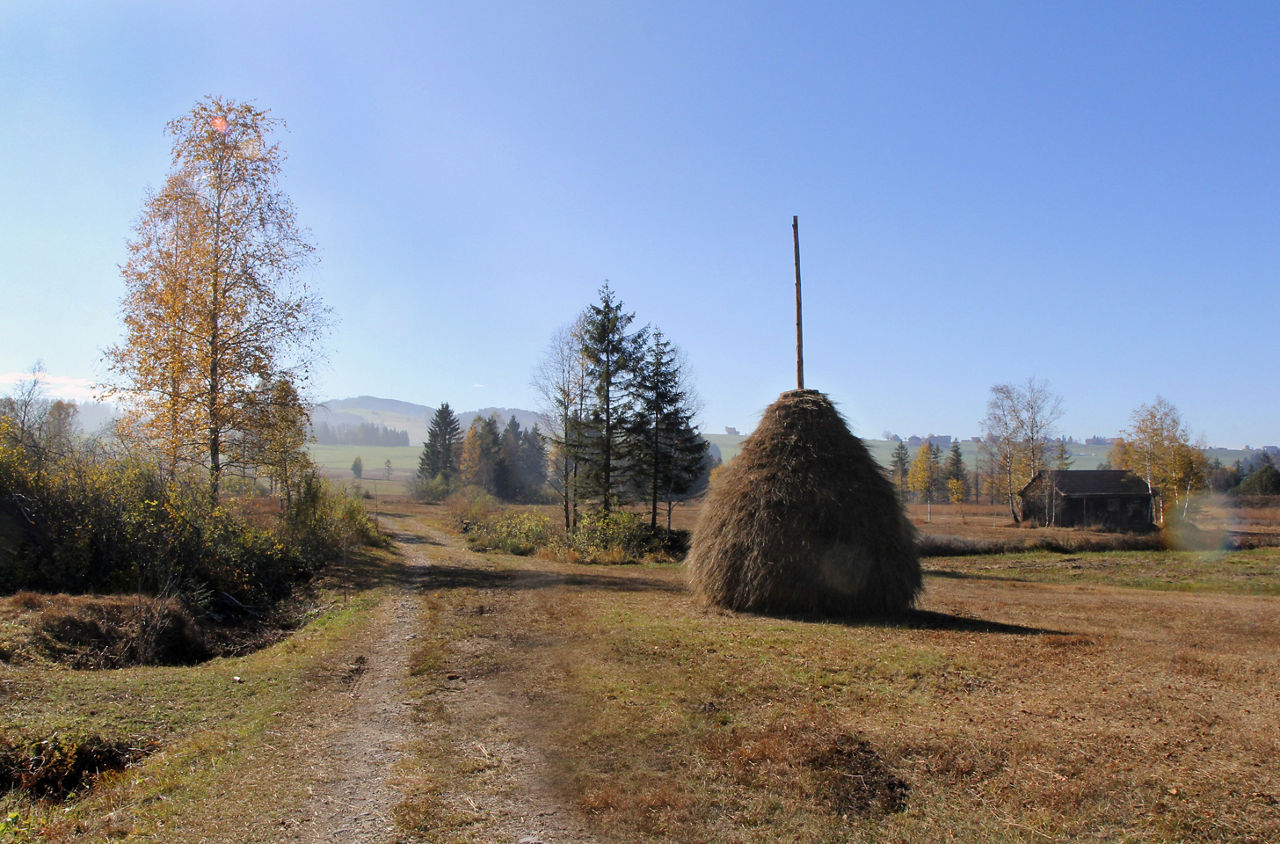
(1062, 457)
(665, 451)
(955, 472)
(898, 468)
(441, 451)
(508, 480)
(610, 353)
(533, 464)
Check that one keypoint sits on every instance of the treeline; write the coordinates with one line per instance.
(927, 478)
(1256, 476)
(620, 431)
(508, 462)
(366, 434)
(1020, 440)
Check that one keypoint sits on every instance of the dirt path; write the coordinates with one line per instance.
(367, 739)
(365, 734)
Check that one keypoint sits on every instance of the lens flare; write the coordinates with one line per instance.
(219, 124)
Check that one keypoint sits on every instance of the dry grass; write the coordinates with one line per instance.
(1252, 571)
(987, 528)
(1002, 710)
(98, 631)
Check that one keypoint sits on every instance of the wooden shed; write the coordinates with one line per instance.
(1110, 499)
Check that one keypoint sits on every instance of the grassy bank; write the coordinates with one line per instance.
(203, 765)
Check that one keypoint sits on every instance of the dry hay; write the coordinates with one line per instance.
(803, 520)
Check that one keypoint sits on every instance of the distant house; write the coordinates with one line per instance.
(1110, 499)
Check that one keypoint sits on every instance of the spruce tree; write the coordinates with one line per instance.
(533, 464)
(956, 475)
(898, 468)
(611, 354)
(508, 482)
(1062, 459)
(665, 450)
(441, 451)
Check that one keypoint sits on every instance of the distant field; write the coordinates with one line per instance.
(335, 462)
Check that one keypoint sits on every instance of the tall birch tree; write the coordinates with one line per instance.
(214, 308)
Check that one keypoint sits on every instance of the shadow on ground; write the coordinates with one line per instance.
(366, 569)
(456, 577)
(443, 576)
(402, 538)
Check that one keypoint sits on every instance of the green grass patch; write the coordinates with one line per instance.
(336, 462)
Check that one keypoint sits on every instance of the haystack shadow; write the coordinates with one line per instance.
(916, 619)
(446, 576)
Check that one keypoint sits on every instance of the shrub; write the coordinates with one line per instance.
(1061, 542)
(471, 506)
(115, 631)
(89, 522)
(613, 537)
(59, 764)
(431, 490)
(515, 533)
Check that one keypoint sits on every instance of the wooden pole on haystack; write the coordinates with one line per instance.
(795, 239)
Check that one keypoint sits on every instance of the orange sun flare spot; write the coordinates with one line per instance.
(219, 124)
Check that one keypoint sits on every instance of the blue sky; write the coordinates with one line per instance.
(1084, 193)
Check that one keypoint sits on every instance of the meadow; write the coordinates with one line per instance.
(1116, 695)
(1006, 708)
(335, 464)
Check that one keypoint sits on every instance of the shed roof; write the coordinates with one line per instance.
(1093, 482)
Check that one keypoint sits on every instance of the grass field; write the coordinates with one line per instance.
(335, 463)
(1128, 696)
(1005, 710)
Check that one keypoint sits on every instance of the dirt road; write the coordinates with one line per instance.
(376, 715)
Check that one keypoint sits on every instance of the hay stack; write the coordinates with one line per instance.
(803, 520)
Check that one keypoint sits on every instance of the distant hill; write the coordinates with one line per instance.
(406, 416)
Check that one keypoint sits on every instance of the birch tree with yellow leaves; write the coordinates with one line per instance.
(214, 311)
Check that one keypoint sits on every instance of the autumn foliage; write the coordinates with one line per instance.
(92, 521)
